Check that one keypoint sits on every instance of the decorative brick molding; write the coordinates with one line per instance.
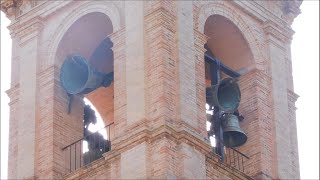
(280, 33)
(199, 40)
(120, 100)
(224, 9)
(83, 8)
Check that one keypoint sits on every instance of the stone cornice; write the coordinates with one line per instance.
(13, 93)
(253, 9)
(23, 30)
(281, 33)
(144, 134)
(292, 95)
(14, 9)
(291, 9)
(40, 11)
(9, 7)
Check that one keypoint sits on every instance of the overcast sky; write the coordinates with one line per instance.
(305, 57)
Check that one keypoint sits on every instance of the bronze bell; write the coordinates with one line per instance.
(233, 136)
(226, 95)
(77, 76)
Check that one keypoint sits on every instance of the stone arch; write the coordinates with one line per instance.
(222, 9)
(109, 9)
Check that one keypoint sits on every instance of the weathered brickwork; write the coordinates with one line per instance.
(157, 99)
(118, 40)
(161, 77)
(258, 123)
(13, 131)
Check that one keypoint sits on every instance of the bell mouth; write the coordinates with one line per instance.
(234, 138)
(74, 74)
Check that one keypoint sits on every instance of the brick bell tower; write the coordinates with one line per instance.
(155, 105)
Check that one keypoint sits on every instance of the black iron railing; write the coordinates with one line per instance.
(233, 157)
(89, 148)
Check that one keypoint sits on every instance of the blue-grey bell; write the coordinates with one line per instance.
(78, 77)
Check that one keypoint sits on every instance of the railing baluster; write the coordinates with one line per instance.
(70, 158)
(238, 161)
(108, 133)
(94, 147)
(234, 159)
(230, 158)
(90, 154)
(81, 153)
(75, 156)
(226, 156)
(242, 164)
(109, 138)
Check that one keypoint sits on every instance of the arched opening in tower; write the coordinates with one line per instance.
(226, 43)
(88, 38)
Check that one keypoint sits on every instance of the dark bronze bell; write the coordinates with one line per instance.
(226, 95)
(233, 136)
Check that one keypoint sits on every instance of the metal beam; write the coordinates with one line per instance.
(215, 78)
(224, 68)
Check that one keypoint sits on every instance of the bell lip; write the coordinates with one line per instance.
(239, 144)
(215, 89)
(84, 60)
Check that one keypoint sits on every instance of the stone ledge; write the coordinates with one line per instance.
(183, 134)
(281, 33)
(13, 93)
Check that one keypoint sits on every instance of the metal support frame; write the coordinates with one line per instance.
(215, 67)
